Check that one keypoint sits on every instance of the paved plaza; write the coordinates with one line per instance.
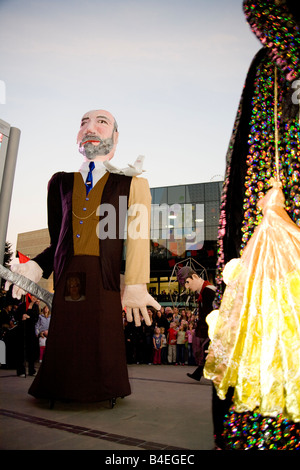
(166, 411)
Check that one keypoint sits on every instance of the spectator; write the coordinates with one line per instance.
(164, 347)
(27, 344)
(148, 340)
(161, 320)
(169, 315)
(176, 315)
(183, 317)
(172, 335)
(190, 334)
(8, 332)
(41, 329)
(139, 344)
(180, 344)
(157, 345)
(129, 334)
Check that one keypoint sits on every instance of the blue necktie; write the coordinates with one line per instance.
(89, 178)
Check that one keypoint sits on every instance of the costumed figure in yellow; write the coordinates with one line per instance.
(255, 345)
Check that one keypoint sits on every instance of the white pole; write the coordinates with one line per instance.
(7, 185)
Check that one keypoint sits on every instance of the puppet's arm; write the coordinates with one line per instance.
(137, 273)
(42, 264)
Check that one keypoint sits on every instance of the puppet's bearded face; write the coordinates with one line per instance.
(98, 135)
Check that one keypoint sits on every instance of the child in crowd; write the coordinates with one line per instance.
(190, 334)
(172, 335)
(180, 344)
(41, 329)
(157, 345)
(164, 347)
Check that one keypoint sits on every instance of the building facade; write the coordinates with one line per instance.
(184, 230)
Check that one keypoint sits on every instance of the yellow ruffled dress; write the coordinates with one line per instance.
(255, 346)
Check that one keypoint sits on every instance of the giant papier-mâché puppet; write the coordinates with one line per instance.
(87, 213)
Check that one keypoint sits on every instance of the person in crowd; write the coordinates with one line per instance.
(161, 320)
(139, 344)
(129, 335)
(169, 314)
(8, 331)
(27, 347)
(171, 339)
(41, 329)
(183, 317)
(148, 340)
(157, 345)
(190, 335)
(164, 346)
(176, 315)
(6, 317)
(180, 344)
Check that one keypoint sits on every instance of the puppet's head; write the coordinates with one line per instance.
(276, 23)
(98, 135)
(188, 278)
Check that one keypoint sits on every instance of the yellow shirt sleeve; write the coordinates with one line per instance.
(137, 268)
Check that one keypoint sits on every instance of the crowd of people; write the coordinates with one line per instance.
(169, 339)
(24, 330)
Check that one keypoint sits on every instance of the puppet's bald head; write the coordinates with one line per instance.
(98, 135)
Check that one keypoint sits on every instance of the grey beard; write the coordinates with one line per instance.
(91, 151)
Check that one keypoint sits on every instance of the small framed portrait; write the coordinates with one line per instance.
(75, 289)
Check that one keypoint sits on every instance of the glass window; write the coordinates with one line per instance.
(165, 217)
(212, 191)
(153, 288)
(212, 213)
(176, 194)
(211, 233)
(159, 196)
(164, 288)
(195, 193)
(183, 217)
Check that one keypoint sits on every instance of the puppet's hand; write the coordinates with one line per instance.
(135, 299)
(31, 270)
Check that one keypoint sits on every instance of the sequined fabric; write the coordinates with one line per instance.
(250, 159)
(256, 343)
(252, 431)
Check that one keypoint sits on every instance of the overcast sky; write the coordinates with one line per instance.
(171, 72)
